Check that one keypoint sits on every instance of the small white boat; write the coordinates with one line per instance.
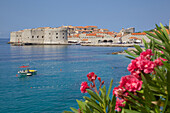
(27, 71)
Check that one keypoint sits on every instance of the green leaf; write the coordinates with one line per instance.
(162, 38)
(82, 106)
(138, 48)
(103, 92)
(137, 53)
(145, 43)
(147, 92)
(166, 102)
(166, 54)
(95, 106)
(153, 46)
(156, 42)
(161, 75)
(95, 96)
(113, 104)
(130, 57)
(131, 54)
(164, 31)
(167, 47)
(168, 83)
(151, 34)
(110, 87)
(131, 111)
(74, 110)
(159, 29)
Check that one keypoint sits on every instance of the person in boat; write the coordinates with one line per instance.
(27, 70)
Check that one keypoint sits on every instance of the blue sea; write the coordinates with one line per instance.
(61, 69)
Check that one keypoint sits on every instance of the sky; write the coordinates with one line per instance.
(109, 14)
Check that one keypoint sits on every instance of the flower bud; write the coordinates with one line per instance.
(102, 82)
(99, 79)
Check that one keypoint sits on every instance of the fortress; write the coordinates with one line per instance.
(77, 34)
(41, 35)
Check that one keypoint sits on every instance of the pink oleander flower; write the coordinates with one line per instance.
(131, 83)
(141, 64)
(148, 67)
(158, 61)
(119, 103)
(119, 92)
(147, 54)
(132, 66)
(91, 76)
(83, 87)
(163, 59)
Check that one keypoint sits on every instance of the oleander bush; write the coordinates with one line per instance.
(145, 90)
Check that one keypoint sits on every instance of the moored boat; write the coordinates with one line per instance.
(26, 71)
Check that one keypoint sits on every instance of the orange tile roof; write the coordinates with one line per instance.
(79, 27)
(84, 39)
(69, 36)
(91, 34)
(110, 33)
(139, 33)
(134, 38)
(99, 36)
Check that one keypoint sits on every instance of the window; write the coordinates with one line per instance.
(63, 37)
(20, 35)
(49, 33)
(17, 35)
(37, 36)
(57, 37)
(42, 36)
(63, 33)
(28, 37)
(32, 36)
(56, 33)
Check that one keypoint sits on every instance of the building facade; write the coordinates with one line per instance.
(41, 35)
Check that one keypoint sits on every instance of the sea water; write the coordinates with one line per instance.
(61, 69)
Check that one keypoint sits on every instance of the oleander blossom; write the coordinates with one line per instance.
(131, 83)
(120, 92)
(83, 87)
(147, 54)
(91, 76)
(141, 64)
(119, 103)
(158, 61)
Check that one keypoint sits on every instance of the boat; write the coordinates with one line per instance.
(25, 71)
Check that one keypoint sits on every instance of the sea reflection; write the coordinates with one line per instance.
(37, 52)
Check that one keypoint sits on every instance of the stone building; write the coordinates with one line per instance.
(41, 35)
(135, 38)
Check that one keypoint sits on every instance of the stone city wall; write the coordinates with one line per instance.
(40, 36)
